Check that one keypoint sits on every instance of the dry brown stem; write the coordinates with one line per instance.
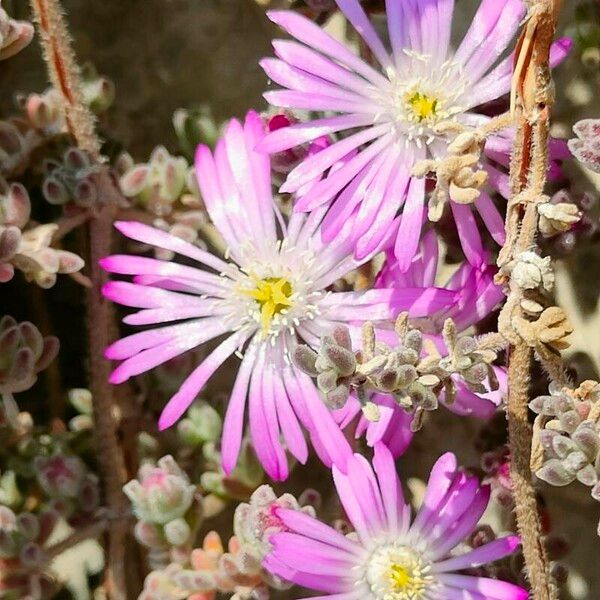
(64, 74)
(531, 97)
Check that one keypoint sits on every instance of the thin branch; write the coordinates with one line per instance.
(64, 73)
(531, 100)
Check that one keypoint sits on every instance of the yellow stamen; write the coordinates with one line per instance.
(423, 106)
(400, 577)
(273, 295)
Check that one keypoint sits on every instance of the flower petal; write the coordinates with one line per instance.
(191, 387)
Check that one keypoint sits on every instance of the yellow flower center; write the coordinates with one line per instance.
(273, 295)
(400, 577)
(424, 107)
(396, 572)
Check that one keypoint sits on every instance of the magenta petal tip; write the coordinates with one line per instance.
(116, 377)
(171, 413)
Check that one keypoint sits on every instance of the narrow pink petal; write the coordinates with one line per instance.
(409, 234)
(295, 135)
(311, 556)
(486, 554)
(455, 506)
(192, 386)
(313, 36)
(264, 427)
(141, 265)
(317, 164)
(141, 296)
(498, 180)
(298, 80)
(259, 174)
(212, 195)
(491, 217)
(381, 303)
(326, 190)
(384, 213)
(306, 525)
(468, 512)
(348, 497)
(314, 101)
(344, 205)
(132, 344)
(309, 61)
(483, 24)
(200, 330)
(275, 563)
(148, 359)
(356, 15)
(413, 17)
(445, 12)
(497, 39)
(292, 433)
(234, 417)
(324, 424)
(397, 28)
(441, 478)
(491, 589)
(468, 233)
(296, 395)
(430, 255)
(200, 308)
(363, 480)
(247, 173)
(389, 484)
(498, 81)
(357, 594)
(166, 241)
(376, 192)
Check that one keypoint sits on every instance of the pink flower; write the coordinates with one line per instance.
(390, 115)
(270, 291)
(389, 557)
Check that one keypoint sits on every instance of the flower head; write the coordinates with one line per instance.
(162, 494)
(405, 111)
(389, 557)
(272, 289)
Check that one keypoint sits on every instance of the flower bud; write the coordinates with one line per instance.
(562, 446)
(554, 473)
(305, 359)
(557, 218)
(588, 476)
(575, 461)
(587, 437)
(342, 359)
(60, 476)
(162, 493)
(530, 271)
